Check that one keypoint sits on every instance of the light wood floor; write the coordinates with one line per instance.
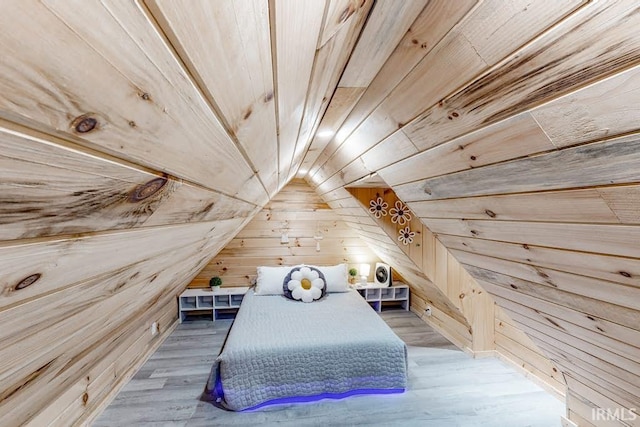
(446, 388)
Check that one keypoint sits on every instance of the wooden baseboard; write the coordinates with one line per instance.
(558, 394)
(567, 423)
(454, 340)
(100, 407)
(482, 354)
(462, 345)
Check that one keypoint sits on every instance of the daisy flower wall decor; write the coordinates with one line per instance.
(378, 207)
(400, 213)
(406, 236)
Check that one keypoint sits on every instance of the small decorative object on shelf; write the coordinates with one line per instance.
(352, 275)
(400, 213)
(365, 269)
(215, 282)
(378, 207)
(406, 235)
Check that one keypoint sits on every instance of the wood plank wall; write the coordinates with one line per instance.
(118, 183)
(94, 249)
(488, 331)
(518, 148)
(300, 213)
(447, 317)
(455, 296)
(136, 139)
(517, 348)
(132, 151)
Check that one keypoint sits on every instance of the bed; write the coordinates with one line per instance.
(279, 350)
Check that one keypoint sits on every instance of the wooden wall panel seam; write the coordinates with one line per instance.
(617, 240)
(342, 136)
(417, 116)
(156, 18)
(618, 356)
(611, 269)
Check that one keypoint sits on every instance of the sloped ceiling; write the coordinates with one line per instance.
(139, 136)
(510, 129)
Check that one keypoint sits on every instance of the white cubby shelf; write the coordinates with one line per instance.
(380, 296)
(223, 303)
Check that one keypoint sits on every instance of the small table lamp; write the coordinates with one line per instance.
(364, 273)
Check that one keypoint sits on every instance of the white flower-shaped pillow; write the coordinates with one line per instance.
(305, 284)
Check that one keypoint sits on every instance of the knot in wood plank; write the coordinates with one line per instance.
(27, 281)
(147, 190)
(84, 123)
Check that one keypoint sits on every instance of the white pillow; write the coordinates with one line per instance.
(269, 280)
(336, 277)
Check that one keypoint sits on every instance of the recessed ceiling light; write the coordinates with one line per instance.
(325, 133)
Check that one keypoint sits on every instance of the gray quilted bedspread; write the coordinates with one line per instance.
(279, 348)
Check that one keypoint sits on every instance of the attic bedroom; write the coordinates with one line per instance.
(174, 174)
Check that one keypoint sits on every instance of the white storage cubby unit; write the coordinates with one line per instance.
(377, 296)
(223, 303)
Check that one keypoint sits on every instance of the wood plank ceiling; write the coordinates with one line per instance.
(511, 130)
(138, 137)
